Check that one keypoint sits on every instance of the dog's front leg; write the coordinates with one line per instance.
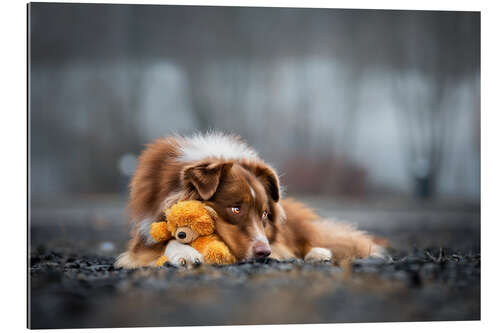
(182, 255)
(281, 252)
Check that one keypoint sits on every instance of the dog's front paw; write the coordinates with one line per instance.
(318, 254)
(182, 255)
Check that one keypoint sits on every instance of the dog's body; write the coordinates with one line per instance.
(253, 219)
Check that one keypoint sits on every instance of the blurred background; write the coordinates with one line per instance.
(369, 115)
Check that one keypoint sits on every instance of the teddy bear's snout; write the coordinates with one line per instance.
(185, 235)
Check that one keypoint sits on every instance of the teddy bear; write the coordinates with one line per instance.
(192, 222)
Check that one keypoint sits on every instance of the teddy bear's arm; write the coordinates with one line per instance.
(214, 250)
(159, 231)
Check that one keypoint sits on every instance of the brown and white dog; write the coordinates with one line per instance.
(253, 218)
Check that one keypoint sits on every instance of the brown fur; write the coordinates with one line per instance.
(292, 229)
(304, 230)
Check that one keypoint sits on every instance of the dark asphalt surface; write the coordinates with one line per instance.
(433, 274)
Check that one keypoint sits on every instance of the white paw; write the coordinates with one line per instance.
(182, 255)
(318, 254)
(380, 252)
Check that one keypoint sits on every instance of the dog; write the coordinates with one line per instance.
(254, 220)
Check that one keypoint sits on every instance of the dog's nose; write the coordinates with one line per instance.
(261, 250)
(181, 235)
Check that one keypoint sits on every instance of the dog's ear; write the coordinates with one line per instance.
(205, 177)
(270, 179)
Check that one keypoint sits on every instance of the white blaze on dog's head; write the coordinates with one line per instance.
(144, 227)
(259, 243)
(252, 192)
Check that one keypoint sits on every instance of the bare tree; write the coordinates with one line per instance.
(433, 58)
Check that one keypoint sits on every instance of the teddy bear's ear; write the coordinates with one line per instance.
(205, 177)
(211, 212)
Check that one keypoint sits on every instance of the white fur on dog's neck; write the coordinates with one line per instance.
(218, 145)
(144, 227)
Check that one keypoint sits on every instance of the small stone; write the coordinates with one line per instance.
(73, 265)
(411, 259)
(371, 261)
(34, 260)
(48, 257)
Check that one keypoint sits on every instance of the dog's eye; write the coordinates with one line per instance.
(236, 210)
(264, 215)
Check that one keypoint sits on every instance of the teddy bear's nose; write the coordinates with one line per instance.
(181, 235)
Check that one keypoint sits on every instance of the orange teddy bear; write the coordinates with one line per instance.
(191, 222)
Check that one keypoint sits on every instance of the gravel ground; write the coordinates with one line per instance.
(434, 274)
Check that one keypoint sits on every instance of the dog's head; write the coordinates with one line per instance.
(245, 196)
